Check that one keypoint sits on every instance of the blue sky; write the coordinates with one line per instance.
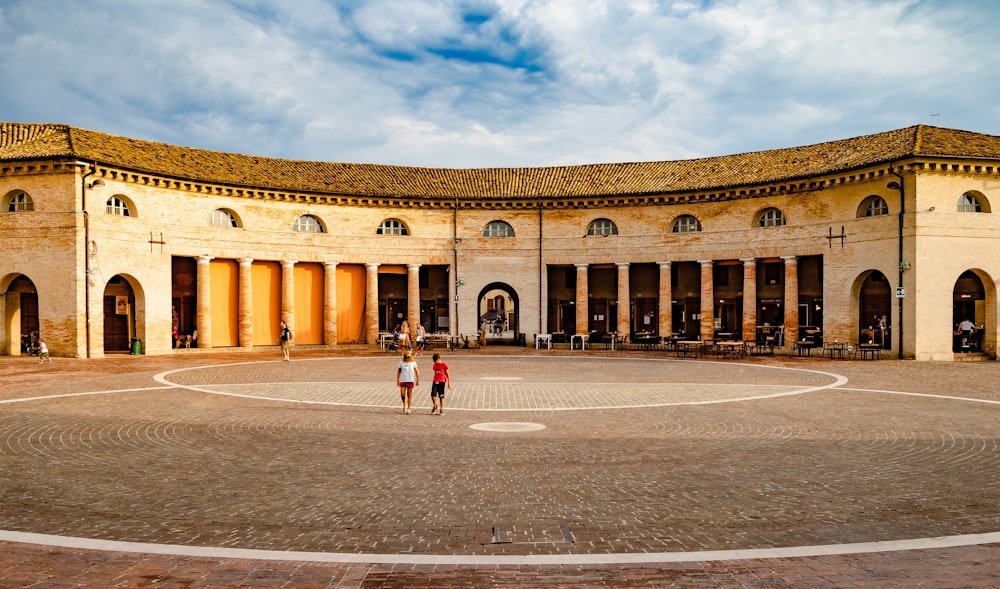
(489, 83)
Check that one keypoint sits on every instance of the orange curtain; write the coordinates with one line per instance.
(225, 277)
(309, 286)
(266, 279)
(351, 288)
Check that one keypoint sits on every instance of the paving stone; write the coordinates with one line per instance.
(639, 454)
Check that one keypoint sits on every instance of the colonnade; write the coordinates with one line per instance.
(706, 322)
(707, 308)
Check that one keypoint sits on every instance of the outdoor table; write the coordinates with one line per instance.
(870, 351)
(835, 349)
(684, 347)
(545, 338)
(731, 349)
(583, 337)
(804, 347)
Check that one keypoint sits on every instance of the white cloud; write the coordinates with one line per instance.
(499, 82)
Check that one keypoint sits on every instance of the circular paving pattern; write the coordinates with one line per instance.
(633, 456)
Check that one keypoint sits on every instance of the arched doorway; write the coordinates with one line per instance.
(20, 315)
(499, 313)
(119, 315)
(968, 303)
(875, 309)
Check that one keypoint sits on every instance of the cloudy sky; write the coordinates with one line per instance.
(473, 83)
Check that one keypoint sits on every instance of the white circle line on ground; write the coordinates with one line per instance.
(838, 381)
(928, 395)
(210, 391)
(87, 394)
(538, 559)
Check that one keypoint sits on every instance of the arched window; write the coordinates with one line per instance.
(770, 217)
(224, 218)
(972, 203)
(685, 224)
(602, 227)
(117, 205)
(392, 227)
(498, 229)
(308, 224)
(873, 206)
(19, 201)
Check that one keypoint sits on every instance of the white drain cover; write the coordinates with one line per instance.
(508, 426)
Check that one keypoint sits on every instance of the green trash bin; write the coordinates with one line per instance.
(522, 340)
(136, 347)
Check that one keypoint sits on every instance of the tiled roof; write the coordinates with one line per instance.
(21, 141)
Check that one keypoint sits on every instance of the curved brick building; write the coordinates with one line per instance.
(888, 238)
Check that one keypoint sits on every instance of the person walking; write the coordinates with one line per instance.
(405, 339)
(43, 352)
(285, 338)
(440, 378)
(407, 378)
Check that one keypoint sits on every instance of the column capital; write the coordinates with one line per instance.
(582, 266)
(287, 263)
(372, 266)
(705, 263)
(622, 264)
(790, 259)
(664, 264)
(245, 261)
(205, 259)
(412, 267)
(330, 265)
(749, 261)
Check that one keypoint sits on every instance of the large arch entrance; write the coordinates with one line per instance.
(968, 305)
(499, 313)
(120, 314)
(875, 309)
(20, 315)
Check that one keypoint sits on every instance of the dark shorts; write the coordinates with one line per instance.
(437, 389)
(406, 385)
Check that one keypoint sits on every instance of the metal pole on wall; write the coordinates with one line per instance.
(902, 210)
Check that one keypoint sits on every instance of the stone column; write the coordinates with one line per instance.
(413, 298)
(624, 301)
(791, 298)
(582, 301)
(246, 303)
(749, 299)
(203, 308)
(330, 303)
(666, 303)
(288, 293)
(707, 327)
(371, 304)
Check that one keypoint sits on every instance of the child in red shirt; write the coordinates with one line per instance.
(441, 376)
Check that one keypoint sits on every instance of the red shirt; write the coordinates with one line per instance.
(440, 369)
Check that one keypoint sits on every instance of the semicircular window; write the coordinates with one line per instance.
(685, 224)
(392, 227)
(602, 227)
(19, 201)
(498, 229)
(308, 224)
(770, 217)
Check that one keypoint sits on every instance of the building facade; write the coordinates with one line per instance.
(888, 237)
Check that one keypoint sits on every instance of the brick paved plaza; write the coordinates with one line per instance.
(548, 469)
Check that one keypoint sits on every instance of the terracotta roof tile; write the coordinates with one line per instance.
(20, 141)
